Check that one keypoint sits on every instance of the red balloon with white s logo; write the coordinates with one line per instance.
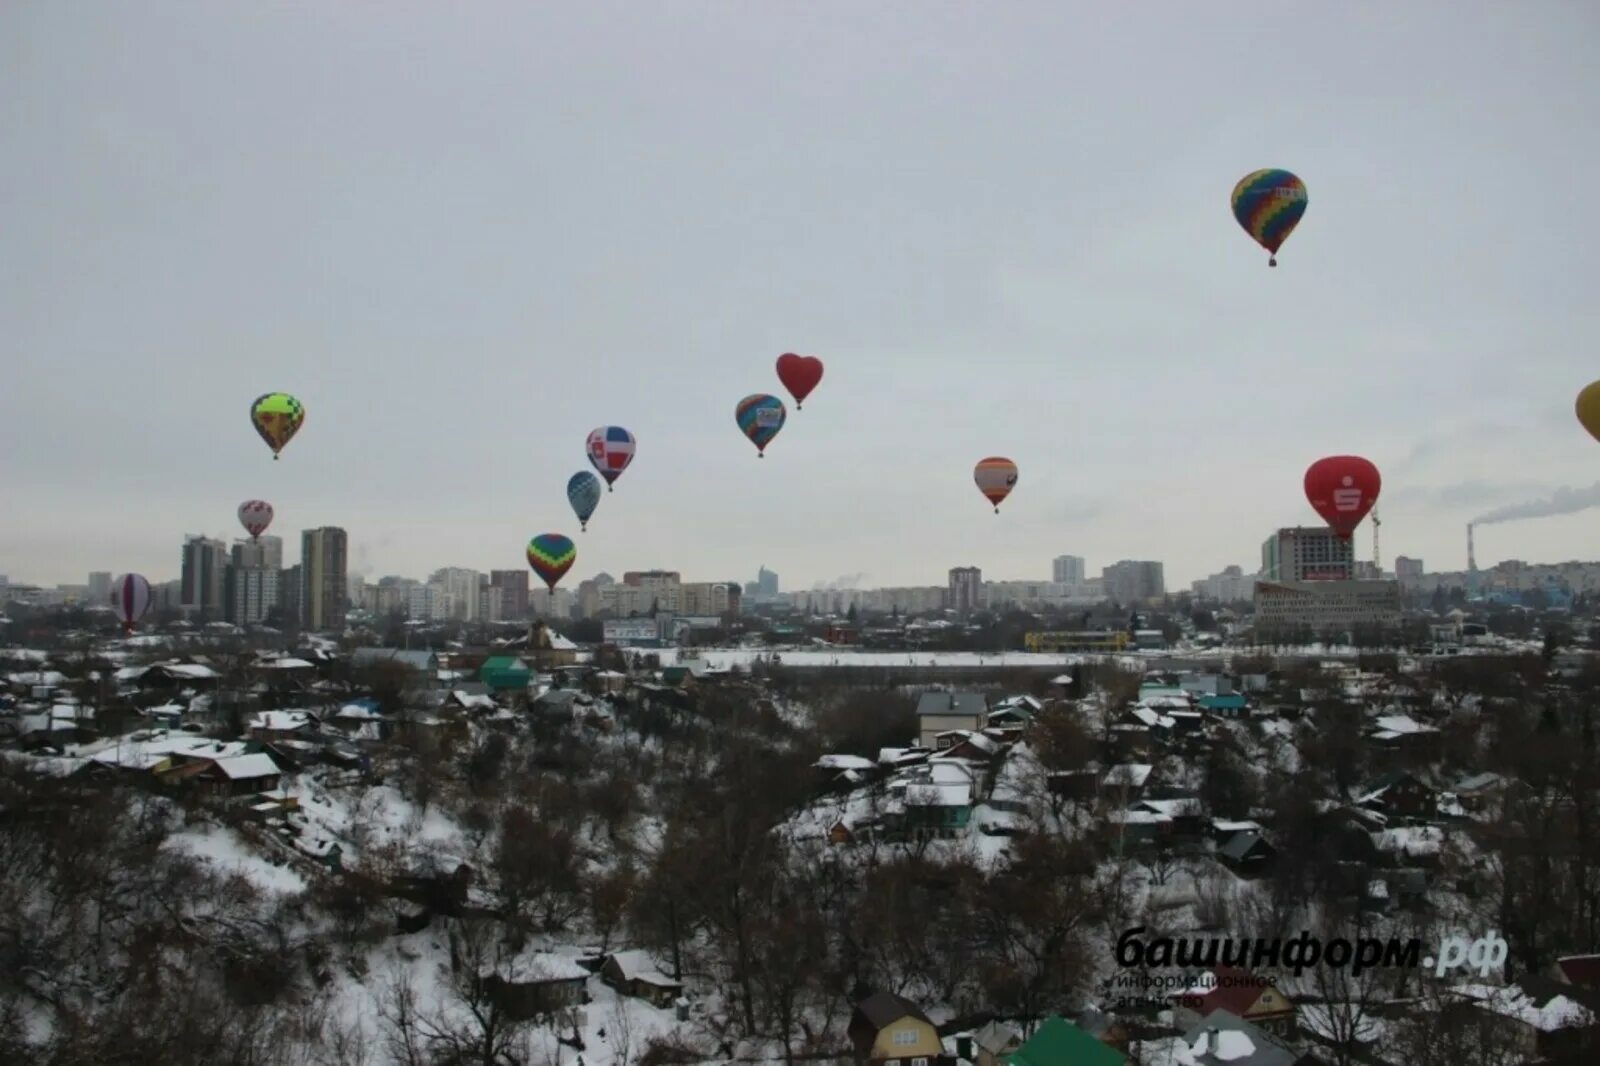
(1342, 489)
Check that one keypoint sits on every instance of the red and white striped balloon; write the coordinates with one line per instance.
(255, 516)
(130, 598)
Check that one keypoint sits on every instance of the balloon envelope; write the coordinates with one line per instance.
(583, 492)
(255, 516)
(1269, 205)
(130, 598)
(1342, 489)
(610, 450)
(799, 374)
(1589, 409)
(277, 416)
(996, 476)
(760, 417)
(551, 555)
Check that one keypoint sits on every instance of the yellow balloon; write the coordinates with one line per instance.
(1589, 409)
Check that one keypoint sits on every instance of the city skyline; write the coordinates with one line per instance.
(993, 255)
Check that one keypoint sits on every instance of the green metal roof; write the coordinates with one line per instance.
(1060, 1043)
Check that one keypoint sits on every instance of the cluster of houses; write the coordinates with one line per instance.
(1233, 1017)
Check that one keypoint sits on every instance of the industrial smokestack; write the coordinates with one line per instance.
(1564, 501)
(1472, 561)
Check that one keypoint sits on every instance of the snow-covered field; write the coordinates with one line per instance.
(221, 849)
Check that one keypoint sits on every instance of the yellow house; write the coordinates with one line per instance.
(887, 1030)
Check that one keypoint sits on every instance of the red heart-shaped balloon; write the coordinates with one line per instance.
(799, 374)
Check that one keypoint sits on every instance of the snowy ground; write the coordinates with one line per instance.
(225, 852)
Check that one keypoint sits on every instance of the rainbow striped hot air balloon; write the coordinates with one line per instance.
(760, 417)
(551, 555)
(1269, 205)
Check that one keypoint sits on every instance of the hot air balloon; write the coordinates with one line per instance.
(1589, 409)
(255, 516)
(1342, 489)
(277, 416)
(551, 555)
(799, 374)
(130, 598)
(583, 492)
(1269, 204)
(611, 450)
(760, 417)
(996, 477)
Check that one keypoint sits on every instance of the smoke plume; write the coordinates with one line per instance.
(1563, 501)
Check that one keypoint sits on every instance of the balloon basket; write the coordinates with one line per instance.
(1272, 262)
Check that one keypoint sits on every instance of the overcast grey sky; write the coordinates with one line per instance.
(466, 234)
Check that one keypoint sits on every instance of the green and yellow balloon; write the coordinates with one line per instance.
(277, 416)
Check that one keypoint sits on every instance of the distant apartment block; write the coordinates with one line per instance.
(324, 555)
(965, 589)
(1134, 581)
(1307, 553)
(1067, 570)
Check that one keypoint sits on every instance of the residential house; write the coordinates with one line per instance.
(241, 775)
(1399, 736)
(1247, 853)
(1126, 782)
(1582, 970)
(423, 663)
(284, 725)
(989, 1045)
(1228, 705)
(1222, 1038)
(1059, 1041)
(936, 797)
(1399, 795)
(1478, 792)
(942, 712)
(888, 1030)
(502, 673)
(1239, 993)
(549, 649)
(1547, 1020)
(536, 985)
(634, 974)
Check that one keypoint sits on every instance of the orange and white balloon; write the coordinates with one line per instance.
(996, 477)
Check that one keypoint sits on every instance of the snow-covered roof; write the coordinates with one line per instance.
(924, 794)
(245, 767)
(1134, 774)
(638, 966)
(1153, 719)
(1390, 726)
(844, 762)
(359, 712)
(37, 677)
(1410, 840)
(1558, 1012)
(288, 664)
(282, 721)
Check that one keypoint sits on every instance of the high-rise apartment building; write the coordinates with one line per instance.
(324, 556)
(1407, 569)
(965, 589)
(1067, 570)
(1134, 581)
(766, 582)
(461, 588)
(271, 551)
(1307, 553)
(291, 595)
(204, 575)
(513, 586)
(99, 590)
(252, 594)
